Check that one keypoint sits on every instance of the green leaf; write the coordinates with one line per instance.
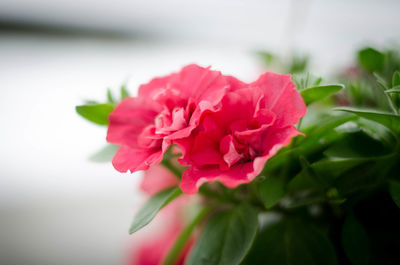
(394, 189)
(149, 210)
(291, 242)
(97, 113)
(389, 120)
(316, 93)
(355, 241)
(396, 79)
(124, 92)
(371, 59)
(226, 238)
(105, 154)
(271, 191)
(110, 97)
(323, 173)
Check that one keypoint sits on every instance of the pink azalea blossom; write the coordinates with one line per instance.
(165, 109)
(232, 143)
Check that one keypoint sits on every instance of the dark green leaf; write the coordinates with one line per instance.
(323, 173)
(389, 120)
(291, 242)
(394, 189)
(97, 113)
(226, 238)
(355, 241)
(149, 210)
(271, 191)
(105, 154)
(124, 92)
(316, 93)
(371, 60)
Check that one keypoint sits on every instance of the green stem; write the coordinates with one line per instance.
(176, 249)
(167, 164)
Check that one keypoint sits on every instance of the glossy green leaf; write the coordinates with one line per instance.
(355, 241)
(271, 191)
(149, 210)
(394, 189)
(371, 59)
(226, 238)
(316, 93)
(389, 120)
(105, 154)
(97, 113)
(291, 242)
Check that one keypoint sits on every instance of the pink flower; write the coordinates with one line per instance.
(232, 143)
(165, 109)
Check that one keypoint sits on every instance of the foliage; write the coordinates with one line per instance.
(335, 193)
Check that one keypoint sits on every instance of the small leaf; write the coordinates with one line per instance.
(355, 241)
(271, 191)
(105, 154)
(371, 59)
(381, 81)
(396, 79)
(124, 92)
(389, 120)
(316, 93)
(97, 113)
(394, 189)
(152, 207)
(110, 97)
(291, 242)
(226, 238)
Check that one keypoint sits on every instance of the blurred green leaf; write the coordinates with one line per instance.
(389, 120)
(149, 210)
(267, 57)
(298, 64)
(394, 189)
(396, 79)
(124, 92)
(355, 241)
(105, 154)
(291, 242)
(97, 113)
(316, 93)
(271, 191)
(110, 97)
(371, 60)
(226, 238)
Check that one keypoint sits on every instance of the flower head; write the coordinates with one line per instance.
(165, 109)
(232, 143)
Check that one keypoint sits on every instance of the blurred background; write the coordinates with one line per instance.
(56, 206)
